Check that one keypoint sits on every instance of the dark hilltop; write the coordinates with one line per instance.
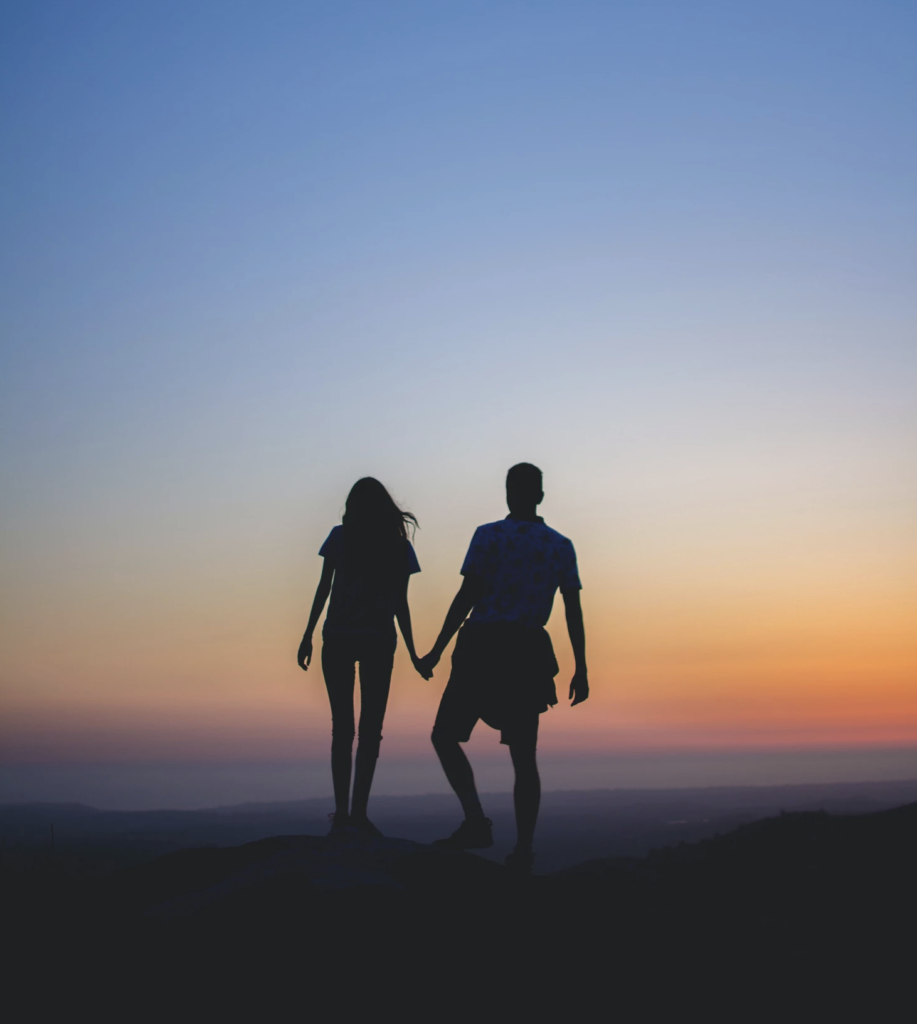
(803, 913)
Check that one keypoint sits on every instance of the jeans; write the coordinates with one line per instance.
(340, 654)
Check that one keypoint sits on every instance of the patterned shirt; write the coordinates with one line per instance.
(522, 564)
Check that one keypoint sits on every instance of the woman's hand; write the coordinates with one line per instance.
(304, 656)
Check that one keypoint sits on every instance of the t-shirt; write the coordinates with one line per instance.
(522, 564)
(359, 605)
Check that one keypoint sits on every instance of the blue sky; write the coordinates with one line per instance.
(254, 251)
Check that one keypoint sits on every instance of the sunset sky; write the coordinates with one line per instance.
(253, 251)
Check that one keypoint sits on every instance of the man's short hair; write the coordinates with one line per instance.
(524, 477)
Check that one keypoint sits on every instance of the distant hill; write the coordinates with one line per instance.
(574, 826)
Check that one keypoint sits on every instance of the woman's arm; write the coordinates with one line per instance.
(403, 615)
(322, 591)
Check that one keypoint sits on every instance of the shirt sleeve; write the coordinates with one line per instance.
(569, 575)
(413, 564)
(334, 544)
(474, 560)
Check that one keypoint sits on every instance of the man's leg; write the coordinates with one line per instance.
(459, 773)
(526, 791)
(474, 833)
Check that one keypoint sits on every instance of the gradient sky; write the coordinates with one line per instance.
(253, 251)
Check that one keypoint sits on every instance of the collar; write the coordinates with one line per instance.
(524, 519)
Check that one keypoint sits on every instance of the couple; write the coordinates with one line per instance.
(503, 665)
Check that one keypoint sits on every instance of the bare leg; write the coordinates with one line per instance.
(526, 794)
(460, 775)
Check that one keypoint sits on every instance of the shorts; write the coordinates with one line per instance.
(502, 674)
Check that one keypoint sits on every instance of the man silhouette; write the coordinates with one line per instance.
(503, 665)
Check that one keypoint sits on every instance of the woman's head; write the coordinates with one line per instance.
(375, 528)
(370, 506)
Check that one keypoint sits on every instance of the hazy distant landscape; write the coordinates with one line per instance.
(575, 826)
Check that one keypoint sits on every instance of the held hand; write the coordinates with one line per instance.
(579, 687)
(421, 665)
(429, 663)
(304, 656)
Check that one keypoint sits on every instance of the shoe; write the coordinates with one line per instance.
(339, 821)
(364, 825)
(472, 834)
(520, 863)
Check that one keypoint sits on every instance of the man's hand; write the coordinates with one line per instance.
(304, 656)
(579, 687)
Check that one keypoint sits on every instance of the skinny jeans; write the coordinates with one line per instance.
(341, 652)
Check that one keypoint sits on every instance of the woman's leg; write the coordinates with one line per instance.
(338, 668)
(375, 680)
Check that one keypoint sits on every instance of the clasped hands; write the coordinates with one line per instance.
(426, 664)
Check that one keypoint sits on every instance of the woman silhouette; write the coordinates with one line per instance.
(368, 562)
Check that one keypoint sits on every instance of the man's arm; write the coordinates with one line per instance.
(470, 591)
(304, 655)
(579, 686)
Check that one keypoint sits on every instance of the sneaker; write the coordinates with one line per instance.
(520, 863)
(339, 821)
(364, 825)
(472, 834)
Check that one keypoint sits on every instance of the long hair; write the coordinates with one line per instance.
(375, 532)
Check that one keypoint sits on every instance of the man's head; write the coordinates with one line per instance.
(523, 488)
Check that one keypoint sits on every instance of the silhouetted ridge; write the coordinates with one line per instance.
(807, 907)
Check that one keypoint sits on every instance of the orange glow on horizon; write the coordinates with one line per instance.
(179, 664)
